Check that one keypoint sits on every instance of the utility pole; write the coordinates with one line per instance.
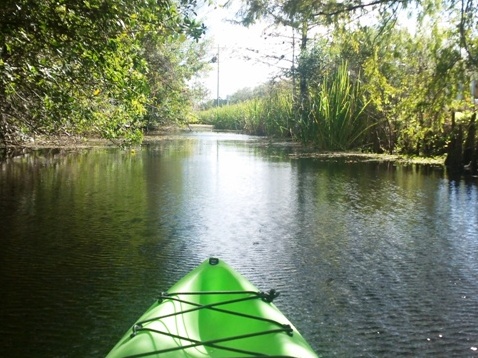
(217, 99)
(215, 59)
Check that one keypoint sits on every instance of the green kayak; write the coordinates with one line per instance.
(213, 312)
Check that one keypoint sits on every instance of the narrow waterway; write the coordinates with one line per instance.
(371, 259)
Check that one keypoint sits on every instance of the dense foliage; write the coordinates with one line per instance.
(366, 76)
(93, 66)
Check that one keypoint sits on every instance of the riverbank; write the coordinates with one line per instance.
(297, 150)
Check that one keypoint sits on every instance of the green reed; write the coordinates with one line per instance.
(332, 119)
(336, 115)
(269, 115)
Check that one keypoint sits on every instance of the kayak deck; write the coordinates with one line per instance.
(213, 312)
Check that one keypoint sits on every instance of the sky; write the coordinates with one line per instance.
(242, 53)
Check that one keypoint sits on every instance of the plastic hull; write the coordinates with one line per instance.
(213, 312)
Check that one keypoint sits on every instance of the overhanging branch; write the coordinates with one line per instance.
(341, 9)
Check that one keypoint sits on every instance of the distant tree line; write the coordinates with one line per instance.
(239, 96)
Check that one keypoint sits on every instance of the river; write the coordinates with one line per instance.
(372, 259)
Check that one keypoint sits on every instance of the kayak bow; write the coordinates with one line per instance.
(213, 312)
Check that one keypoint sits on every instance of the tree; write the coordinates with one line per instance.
(292, 13)
(76, 66)
(404, 73)
(172, 65)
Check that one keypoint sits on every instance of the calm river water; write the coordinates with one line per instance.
(371, 259)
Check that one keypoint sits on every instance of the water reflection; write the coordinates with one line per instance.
(372, 259)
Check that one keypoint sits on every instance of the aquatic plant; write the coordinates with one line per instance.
(335, 118)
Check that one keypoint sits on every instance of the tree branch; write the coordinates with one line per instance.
(340, 9)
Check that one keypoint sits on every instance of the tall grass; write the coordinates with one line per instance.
(336, 117)
(230, 117)
(332, 119)
(270, 115)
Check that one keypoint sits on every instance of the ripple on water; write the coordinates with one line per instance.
(371, 260)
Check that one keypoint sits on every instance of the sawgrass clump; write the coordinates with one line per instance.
(332, 117)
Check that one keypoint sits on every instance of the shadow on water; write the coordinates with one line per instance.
(371, 258)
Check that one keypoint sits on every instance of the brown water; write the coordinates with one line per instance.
(372, 259)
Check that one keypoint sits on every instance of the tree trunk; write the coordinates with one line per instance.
(454, 158)
(469, 152)
(303, 93)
